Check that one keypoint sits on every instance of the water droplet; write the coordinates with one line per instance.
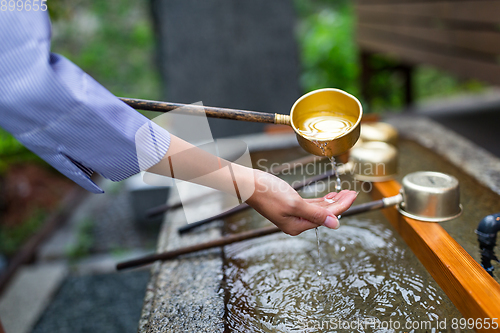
(319, 253)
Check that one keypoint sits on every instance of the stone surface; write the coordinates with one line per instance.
(143, 196)
(28, 294)
(233, 54)
(474, 160)
(481, 127)
(113, 225)
(184, 295)
(115, 237)
(57, 246)
(108, 303)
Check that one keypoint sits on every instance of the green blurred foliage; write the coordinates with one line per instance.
(386, 86)
(330, 58)
(13, 237)
(430, 82)
(84, 241)
(11, 152)
(328, 50)
(114, 42)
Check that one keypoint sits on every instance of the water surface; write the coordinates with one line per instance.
(368, 273)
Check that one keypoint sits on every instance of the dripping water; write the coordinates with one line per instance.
(338, 188)
(319, 253)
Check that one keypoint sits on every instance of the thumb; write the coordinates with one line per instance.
(318, 215)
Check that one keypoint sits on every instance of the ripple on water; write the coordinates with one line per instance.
(273, 286)
(326, 126)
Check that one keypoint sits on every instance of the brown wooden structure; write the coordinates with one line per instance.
(473, 291)
(459, 36)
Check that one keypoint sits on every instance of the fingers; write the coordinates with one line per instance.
(342, 202)
(332, 222)
(299, 225)
(329, 196)
(317, 215)
(311, 213)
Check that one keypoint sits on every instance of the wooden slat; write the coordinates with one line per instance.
(463, 66)
(473, 291)
(373, 2)
(402, 20)
(368, 16)
(482, 41)
(486, 11)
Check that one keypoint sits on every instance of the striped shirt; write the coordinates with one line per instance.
(62, 114)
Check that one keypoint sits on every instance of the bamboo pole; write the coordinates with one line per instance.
(362, 208)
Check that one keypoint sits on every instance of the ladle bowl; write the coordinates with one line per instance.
(328, 102)
(430, 196)
(374, 161)
(379, 131)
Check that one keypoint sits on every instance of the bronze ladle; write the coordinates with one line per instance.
(327, 102)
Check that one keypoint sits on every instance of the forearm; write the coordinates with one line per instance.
(190, 163)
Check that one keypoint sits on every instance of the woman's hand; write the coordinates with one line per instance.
(282, 205)
(269, 195)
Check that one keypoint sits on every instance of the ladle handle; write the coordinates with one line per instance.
(209, 111)
(373, 205)
(382, 203)
(199, 247)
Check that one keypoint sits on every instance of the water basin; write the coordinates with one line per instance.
(368, 272)
(270, 284)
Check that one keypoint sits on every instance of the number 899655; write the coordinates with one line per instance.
(20, 5)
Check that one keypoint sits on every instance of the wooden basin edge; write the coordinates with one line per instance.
(471, 289)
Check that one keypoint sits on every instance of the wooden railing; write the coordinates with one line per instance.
(460, 36)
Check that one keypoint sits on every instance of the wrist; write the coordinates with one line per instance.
(245, 180)
(260, 185)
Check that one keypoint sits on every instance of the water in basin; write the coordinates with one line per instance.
(368, 272)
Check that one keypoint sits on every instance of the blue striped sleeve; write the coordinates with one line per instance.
(62, 114)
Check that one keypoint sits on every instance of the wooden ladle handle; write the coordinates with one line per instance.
(209, 111)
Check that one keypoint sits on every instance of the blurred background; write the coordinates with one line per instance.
(259, 56)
